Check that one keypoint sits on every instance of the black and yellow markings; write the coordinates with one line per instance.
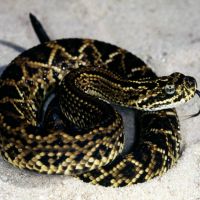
(88, 152)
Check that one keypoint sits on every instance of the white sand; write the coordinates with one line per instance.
(164, 33)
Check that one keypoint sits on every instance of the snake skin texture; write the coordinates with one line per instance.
(87, 143)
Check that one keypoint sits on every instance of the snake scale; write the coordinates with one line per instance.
(81, 134)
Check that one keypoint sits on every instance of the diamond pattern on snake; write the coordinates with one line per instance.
(80, 133)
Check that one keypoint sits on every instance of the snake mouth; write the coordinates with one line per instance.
(198, 113)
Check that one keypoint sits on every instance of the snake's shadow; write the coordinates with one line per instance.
(13, 46)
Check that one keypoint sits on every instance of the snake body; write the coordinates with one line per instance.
(87, 138)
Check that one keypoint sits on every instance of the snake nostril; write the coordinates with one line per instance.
(190, 80)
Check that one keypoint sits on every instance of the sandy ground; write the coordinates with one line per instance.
(164, 33)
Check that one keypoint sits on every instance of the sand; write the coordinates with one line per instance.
(164, 33)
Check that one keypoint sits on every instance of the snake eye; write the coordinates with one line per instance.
(170, 89)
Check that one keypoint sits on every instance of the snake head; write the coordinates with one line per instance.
(184, 87)
(168, 92)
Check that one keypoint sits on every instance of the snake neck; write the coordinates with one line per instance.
(107, 86)
(148, 94)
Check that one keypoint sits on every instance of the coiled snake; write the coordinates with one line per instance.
(81, 134)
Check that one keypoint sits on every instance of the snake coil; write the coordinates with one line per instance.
(81, 134)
